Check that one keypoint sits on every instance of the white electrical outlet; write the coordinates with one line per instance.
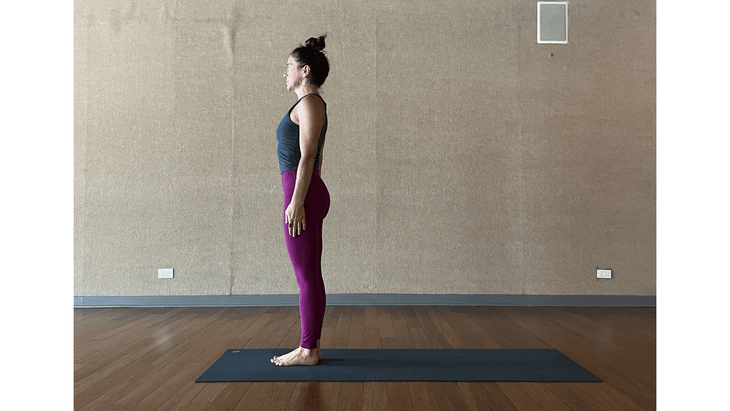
(164, 273)
(603, 273)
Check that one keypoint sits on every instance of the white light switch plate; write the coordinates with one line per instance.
(164, 273)
(603, 273)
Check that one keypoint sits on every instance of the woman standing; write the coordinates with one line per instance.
(300, 137)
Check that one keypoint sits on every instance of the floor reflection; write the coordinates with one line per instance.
(309, 396)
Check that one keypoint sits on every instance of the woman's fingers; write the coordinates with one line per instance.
(295, 227)
(292, 227)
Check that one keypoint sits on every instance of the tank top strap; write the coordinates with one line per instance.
(311, 94)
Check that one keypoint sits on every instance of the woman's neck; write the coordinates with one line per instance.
(307, 89)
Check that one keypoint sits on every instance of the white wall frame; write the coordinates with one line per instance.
(552, 22)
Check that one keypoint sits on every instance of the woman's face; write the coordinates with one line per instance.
(293, 74)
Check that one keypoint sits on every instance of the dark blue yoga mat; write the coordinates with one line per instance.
(534, 365)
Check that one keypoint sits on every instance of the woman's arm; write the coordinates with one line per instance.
(311, 119)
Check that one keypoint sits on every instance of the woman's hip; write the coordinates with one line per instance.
(317, 200)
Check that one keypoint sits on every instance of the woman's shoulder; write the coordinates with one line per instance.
(312, 105)
(313, 99)
(311, 102)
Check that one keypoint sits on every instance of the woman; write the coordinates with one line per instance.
(301, 136)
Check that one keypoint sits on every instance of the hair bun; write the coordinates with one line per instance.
(316, 43)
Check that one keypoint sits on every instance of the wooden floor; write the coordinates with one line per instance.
(149, 358)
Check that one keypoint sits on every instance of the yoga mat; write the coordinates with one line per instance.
(533, 365)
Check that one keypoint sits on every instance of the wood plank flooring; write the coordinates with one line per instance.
(149, 358)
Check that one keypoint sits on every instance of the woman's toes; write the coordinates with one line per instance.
(286, 357)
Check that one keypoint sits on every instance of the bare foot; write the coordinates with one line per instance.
(286, 357)
(304, 356)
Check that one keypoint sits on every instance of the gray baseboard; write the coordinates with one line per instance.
(476, 300)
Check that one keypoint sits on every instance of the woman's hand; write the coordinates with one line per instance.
(294, 215)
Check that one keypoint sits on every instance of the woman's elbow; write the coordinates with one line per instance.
(307, 160)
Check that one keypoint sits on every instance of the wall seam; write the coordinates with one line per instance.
(82, 212)
(176, 147)
(520, 152)
(231, 197)
(232, 26)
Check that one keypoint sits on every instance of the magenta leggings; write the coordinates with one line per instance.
(305, 252)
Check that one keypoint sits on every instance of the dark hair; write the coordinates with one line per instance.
(311, 54)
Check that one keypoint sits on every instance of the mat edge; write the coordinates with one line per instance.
(273, 350)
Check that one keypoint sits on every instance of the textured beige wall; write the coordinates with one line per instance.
(462, 156)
